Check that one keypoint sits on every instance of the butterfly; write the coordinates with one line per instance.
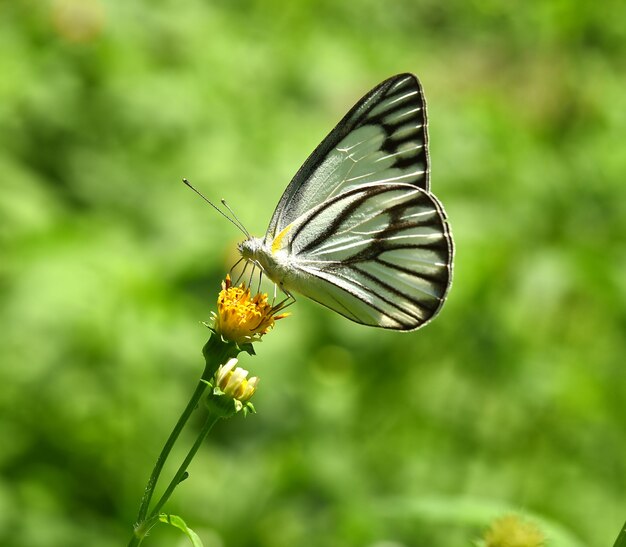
(357, 229)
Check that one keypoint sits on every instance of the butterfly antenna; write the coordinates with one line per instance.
(243, 228)
(245, 232)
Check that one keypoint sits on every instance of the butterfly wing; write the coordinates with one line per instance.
(357, 229)
(383, 139)
(379, 254)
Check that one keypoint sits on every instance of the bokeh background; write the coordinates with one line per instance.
(513, 399)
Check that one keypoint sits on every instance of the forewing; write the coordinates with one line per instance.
(380, 255)
(382, 139)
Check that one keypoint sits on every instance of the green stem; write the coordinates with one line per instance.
(621, 539)
(165, 452)
(215, 352)
(208, 425)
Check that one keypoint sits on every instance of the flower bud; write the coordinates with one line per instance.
(232, 389)
(234, 382)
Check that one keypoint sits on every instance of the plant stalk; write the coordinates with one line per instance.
(215, 352)
(206, 428)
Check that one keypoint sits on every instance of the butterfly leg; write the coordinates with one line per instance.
(242, 273)
(258, 287)
(254, 266)
(232, 269)
(285, 302)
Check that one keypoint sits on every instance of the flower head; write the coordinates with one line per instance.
(242, 318)
(232, 388)
(234, 381)
(512, 531)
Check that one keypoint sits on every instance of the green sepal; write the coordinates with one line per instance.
(236, 348)
(248, 348)
(216, 352)
(220, 404)
(225, 406)
(177, 522)
(248, 408)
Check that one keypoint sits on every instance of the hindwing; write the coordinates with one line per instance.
(379, 254)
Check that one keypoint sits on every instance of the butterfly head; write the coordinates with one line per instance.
(250, 248)
(254, 250)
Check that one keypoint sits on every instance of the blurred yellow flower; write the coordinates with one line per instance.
(242, 318)
(512, 531)
(78, 21)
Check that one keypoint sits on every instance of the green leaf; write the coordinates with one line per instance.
(621, 539)
(179, 523)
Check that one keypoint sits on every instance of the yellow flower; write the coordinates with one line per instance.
(234, 381)
(78, 21)
(512, 531)
(242, 318)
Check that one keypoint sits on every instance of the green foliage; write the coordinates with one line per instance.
(179, 523)
(621, 538)
(514, 396)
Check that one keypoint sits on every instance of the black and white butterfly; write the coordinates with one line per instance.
(358, 229)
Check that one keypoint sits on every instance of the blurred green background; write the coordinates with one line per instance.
(513, 399)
